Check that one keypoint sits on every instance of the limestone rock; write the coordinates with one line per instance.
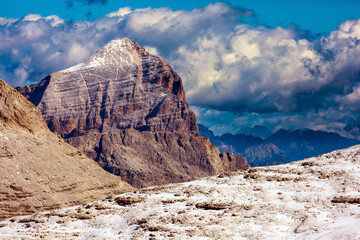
(38, 170)
(121, 86)
(126, 109)
(155, 158)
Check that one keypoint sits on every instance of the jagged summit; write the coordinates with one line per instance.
(121, 86)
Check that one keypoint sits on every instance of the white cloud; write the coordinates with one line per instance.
(77, 53)
(32, 17)
(54, 20)
(6, 21)
(121, 12)
(225, 63)
(152, 50)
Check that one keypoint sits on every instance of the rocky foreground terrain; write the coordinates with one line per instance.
(38, 170)
(317, 198)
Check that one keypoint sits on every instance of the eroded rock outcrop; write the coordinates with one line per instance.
(126, 109)
(38, 170)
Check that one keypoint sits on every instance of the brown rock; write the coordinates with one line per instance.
(121, 86)
(234, 162)
(38, 170)
(153, 158)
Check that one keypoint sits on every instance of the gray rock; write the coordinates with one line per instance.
(155, 158)
(121, 86)
(126, 109)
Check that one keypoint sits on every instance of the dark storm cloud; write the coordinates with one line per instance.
(225, 63)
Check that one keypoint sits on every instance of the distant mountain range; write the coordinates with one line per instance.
(351, 131)
(303, 143)
(282, 146)
(256, 131)
(256, 150)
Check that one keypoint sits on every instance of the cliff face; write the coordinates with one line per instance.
(121, 86)
(152, 158)
(126, 109)
(38, 170)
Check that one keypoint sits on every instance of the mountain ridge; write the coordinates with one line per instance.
(38, 170)
(256, 150)
(303, 143)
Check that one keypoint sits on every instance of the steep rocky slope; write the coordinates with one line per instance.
(126, 109)
(147, 158)
(256, 150)
(121, 86)
(317, 198)
(38, 170)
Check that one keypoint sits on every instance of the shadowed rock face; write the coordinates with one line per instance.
(126, 109)
(121, 86)
(38, 170)
(152, 158)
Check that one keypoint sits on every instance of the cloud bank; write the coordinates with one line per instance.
(226, 64)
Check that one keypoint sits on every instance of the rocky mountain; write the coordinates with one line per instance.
(317, 198)
(351, 130)
(302, 143)
(154, 158)
(126, 109)
(121, 86)
(38, 170)
(256, 131)
(257, 151)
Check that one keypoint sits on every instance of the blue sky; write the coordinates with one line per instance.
(318, 16)
(281, 64)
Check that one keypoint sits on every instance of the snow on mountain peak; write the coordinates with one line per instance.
(120, 52)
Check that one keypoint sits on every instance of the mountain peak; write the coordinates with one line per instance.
(120, 51)
(121, 86)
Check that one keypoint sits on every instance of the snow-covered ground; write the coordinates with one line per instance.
(317, 198)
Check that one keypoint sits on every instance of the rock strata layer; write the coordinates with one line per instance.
(126, 109)
(38, 170)
(154, 158)
(121, 86)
